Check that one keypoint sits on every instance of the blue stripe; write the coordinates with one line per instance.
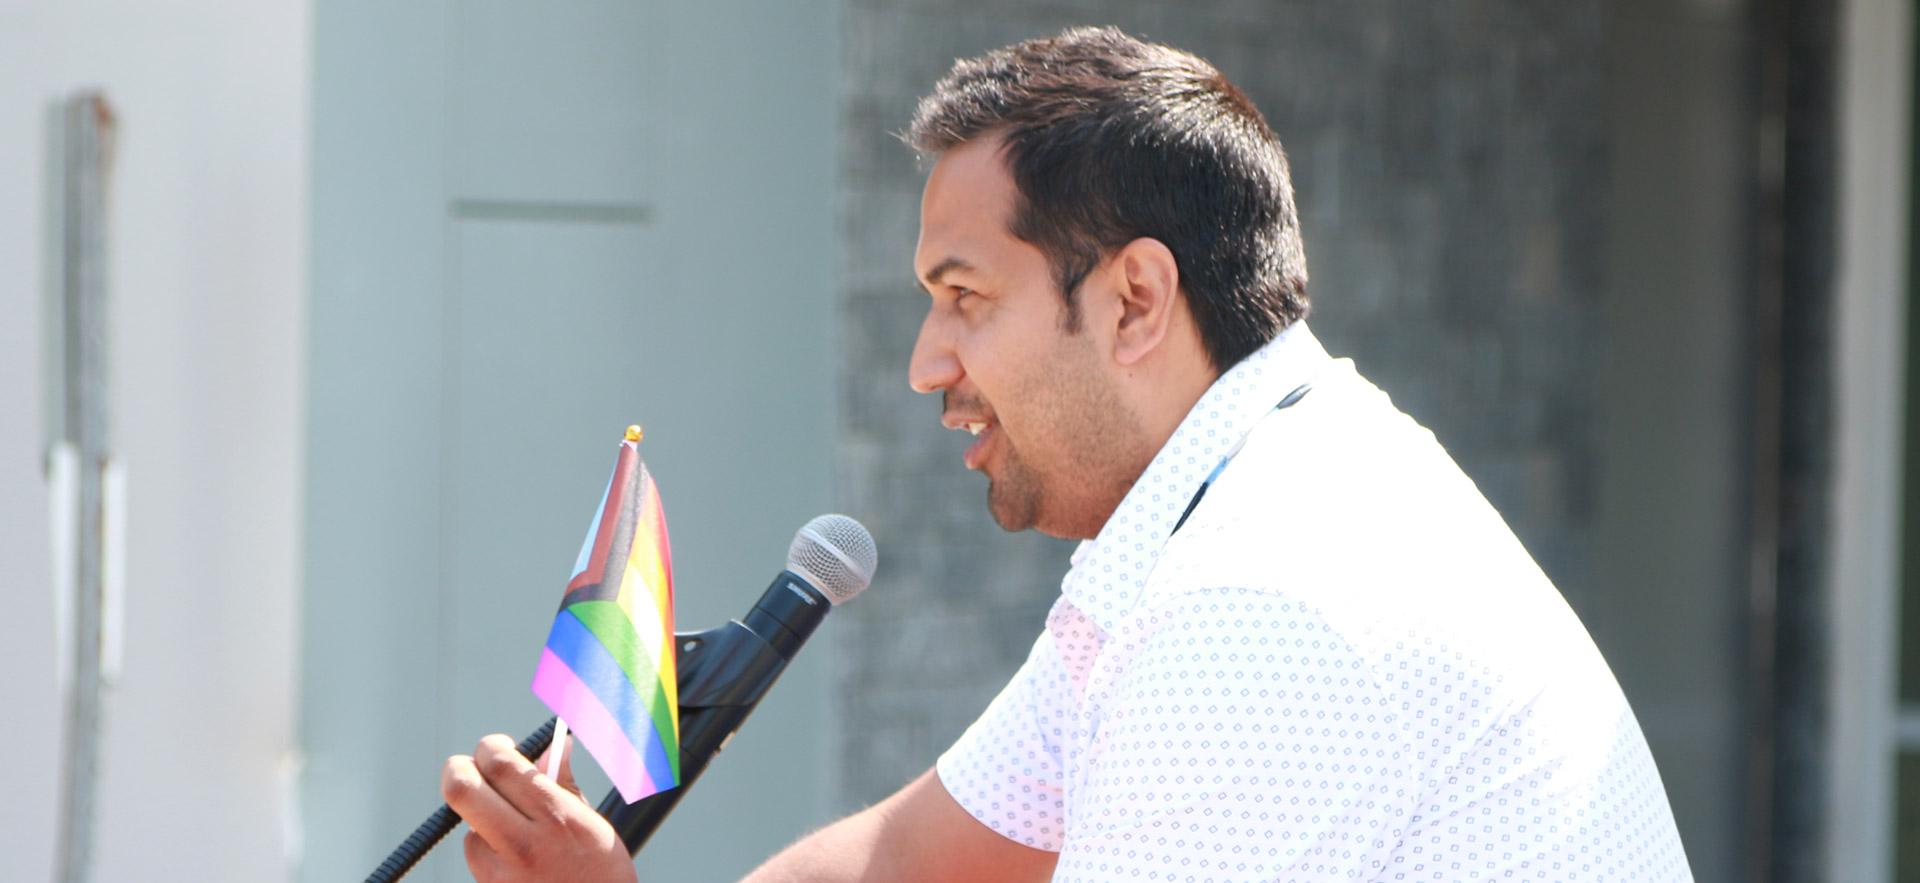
(581, 651)
(1216, 472)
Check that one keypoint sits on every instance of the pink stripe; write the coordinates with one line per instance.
(570, 698)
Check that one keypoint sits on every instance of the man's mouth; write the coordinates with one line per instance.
(980, 426)
(983, 433)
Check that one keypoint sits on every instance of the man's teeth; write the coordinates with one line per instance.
(975, 428)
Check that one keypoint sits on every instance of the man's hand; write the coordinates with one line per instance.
(526, 826)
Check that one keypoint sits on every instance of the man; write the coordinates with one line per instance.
(1296, 644)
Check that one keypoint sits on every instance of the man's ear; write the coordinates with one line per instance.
(1149, 295)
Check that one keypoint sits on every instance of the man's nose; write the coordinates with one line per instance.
(933, 365)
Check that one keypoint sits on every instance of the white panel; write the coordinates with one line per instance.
(208, 261)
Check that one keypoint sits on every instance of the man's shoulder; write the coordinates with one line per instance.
(1347, 508)
(1342, 482)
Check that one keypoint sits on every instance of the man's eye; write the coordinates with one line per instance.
(962, 293)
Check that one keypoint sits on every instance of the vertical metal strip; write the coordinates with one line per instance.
(87, 141)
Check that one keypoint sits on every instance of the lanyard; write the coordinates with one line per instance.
(1287, 401)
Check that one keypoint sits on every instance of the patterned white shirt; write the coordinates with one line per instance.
(1343, 665)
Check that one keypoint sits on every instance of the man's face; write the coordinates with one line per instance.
(1043, 403)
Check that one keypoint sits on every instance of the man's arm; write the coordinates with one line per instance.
(918, 834)
(527, 827)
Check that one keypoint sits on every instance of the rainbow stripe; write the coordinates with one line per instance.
(608, 666)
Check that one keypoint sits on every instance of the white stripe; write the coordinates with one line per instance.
(559, 747)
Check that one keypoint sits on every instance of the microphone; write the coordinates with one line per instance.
(725, 671)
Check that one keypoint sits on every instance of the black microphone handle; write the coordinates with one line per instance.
(443, 820)
(723, 673)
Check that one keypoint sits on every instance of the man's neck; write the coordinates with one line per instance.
(1160, 408)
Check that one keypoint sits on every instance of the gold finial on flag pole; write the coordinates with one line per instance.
(634, 434)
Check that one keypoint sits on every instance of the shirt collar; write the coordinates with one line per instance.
(1109, 570)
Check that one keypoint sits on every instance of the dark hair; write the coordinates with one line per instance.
(1108, 139)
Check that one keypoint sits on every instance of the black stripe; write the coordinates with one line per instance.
(1287, 401)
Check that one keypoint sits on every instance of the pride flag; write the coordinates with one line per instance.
(607, 670)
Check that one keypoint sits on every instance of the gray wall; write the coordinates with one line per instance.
(1672, 479)
(1460, 166)
(533, 225)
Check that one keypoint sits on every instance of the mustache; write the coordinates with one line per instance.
(951, 403)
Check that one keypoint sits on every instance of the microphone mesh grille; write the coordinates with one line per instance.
(836, 554)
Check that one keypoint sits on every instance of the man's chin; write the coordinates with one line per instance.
(1016, 507)
(1016, 512)
(1013, 511)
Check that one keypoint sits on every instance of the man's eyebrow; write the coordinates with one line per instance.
(943, 268)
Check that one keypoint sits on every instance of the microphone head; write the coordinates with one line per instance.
(836, 554)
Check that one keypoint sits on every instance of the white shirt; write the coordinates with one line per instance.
(1342, 666)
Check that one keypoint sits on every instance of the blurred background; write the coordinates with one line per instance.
(334, 335)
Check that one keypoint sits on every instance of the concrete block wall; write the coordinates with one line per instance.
(1450, 160)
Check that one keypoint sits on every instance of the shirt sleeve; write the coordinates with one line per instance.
(1244, 740)
(1007, 768)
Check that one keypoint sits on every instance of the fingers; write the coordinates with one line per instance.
(527, 826)
(467, 789)
(531, 793)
